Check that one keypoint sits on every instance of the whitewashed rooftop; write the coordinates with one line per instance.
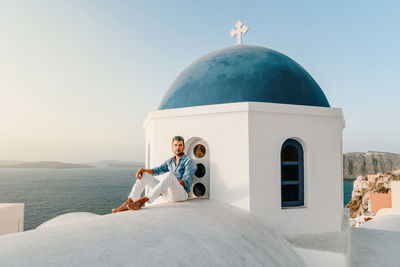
(192, 233)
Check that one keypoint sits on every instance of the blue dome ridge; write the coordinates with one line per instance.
(243, 73)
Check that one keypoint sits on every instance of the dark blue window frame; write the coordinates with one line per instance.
(292, 178)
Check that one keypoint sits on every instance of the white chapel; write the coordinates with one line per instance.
(262, 133)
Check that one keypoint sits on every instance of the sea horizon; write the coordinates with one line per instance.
(48, 193)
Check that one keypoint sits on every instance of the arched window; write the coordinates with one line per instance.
(292, 174)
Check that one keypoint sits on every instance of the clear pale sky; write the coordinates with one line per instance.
(78, 78)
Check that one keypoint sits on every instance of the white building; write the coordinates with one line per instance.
(11, 218)
(272, 145)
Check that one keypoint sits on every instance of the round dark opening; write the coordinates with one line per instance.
(201, 170)
(199, 190)
(199, 151)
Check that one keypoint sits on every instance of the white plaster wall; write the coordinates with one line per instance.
(245, 141)
(319, 130)
(224, 128)
(11, 218)
(395, 187)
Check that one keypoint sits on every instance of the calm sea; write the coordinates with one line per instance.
(347, 190)
(48, 193)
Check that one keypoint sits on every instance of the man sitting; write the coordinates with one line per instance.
(174, 183)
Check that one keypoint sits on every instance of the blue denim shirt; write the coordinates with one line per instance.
(183, 171)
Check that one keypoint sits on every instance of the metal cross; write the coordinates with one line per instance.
(239, 31)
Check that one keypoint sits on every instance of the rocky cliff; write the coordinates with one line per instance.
(363, 186)
(355, 164)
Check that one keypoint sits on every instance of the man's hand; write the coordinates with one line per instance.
(182, 182)
(139, 173)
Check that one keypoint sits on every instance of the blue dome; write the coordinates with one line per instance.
(243, 73)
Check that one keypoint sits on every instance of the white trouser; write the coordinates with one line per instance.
(168, 185)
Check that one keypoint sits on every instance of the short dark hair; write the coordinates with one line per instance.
(178, 138)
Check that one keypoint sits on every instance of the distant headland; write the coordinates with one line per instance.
(371, 162)
(63, 165)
